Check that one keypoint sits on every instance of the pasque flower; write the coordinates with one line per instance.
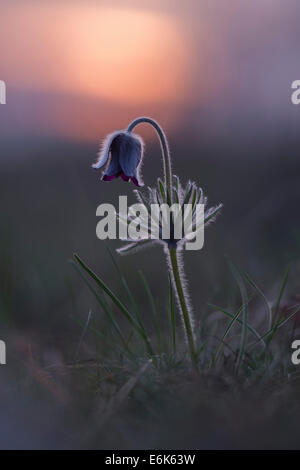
(121, 153)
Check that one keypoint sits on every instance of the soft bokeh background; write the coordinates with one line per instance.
(217, 75)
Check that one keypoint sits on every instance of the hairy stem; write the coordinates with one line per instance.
(181, 296)
(164, 147)
(173, 255)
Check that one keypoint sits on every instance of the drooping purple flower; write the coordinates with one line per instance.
(122, 153)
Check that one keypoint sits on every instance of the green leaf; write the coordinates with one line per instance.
(188, 191)
(200, 198)
(262, 295)
(194, 197)
(161, 189)
(176, 196)
(118, 304)
(104, 307)
(212, 213)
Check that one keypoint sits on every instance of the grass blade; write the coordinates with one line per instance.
(244, 296)
(125, 285)
(153, 309)
(104, 307)
(279, 324)
(117, 303)
(282, 289)
(235, 316)
(262, 295)
(85, 328)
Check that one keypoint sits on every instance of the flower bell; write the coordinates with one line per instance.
(122, 153)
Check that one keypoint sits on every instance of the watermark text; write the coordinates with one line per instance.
(169, 224)
(2, 92)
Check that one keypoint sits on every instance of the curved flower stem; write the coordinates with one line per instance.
(164, 147)
(177, 278)
(173, 255)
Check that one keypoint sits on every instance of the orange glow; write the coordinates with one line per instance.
(117, 54)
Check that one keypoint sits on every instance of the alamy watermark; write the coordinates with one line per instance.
(295, 96)
(2, 92)
(2, 352)
(295, 358)
(170, 224)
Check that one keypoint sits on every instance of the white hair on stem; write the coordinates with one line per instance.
(184, 286)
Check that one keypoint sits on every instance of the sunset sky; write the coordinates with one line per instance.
(72, 68)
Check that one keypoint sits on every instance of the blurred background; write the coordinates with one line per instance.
(217, 76)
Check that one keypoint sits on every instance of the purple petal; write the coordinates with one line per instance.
(110, 177)
(130, 153)
(104, 151)
(135, 181)
(125, 177)
(113, 167)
